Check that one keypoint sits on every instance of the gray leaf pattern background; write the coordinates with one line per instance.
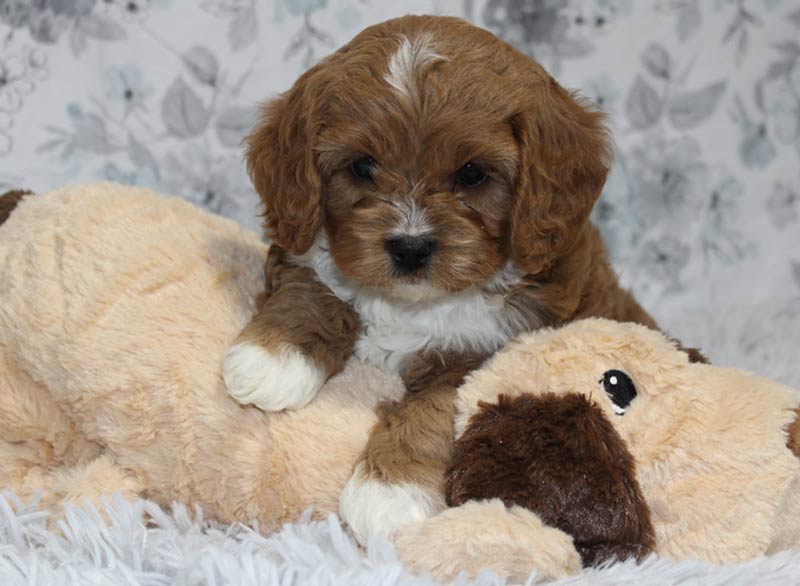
(701, 212)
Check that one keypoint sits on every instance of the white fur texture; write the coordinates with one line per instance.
(272, 382)
(416, 317)
(371, 507)
(140, 544)
(413, 221)
(405, 63)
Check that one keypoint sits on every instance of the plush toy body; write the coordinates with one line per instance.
(117, 305)
(116, 308)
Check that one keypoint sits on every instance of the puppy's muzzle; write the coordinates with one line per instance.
(410, 254)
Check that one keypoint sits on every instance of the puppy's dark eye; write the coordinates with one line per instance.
(620, 389)
(362, 168)
(470, 175)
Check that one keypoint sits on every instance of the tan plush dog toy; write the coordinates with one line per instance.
(117, 305)
(608, 433)
(116, 308)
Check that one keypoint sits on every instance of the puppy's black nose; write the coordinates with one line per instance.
(410, 253)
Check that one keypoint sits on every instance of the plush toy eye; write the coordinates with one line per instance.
(362, 168)
(620, 389)
(470, 175)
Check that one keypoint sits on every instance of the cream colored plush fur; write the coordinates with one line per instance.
(117, 306)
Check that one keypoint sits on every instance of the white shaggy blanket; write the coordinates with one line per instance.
(138, 543)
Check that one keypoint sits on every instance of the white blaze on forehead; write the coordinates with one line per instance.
(404, 65)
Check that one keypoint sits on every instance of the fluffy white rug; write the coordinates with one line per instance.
(138, 543)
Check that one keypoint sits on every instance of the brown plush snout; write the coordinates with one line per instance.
(560, 457)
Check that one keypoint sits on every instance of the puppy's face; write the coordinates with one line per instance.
(431, 154)
(420, 184)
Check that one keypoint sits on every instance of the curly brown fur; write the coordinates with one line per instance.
(561, 458)
(413, 437)
(579, 283)
(299, 311)
(546, 151)
(9, 200)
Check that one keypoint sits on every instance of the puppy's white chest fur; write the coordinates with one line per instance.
(394, 329)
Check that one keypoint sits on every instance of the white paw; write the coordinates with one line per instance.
(272, 382)
(371, 507)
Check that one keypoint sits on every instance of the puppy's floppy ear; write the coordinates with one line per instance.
(281, 163)
(565, 157)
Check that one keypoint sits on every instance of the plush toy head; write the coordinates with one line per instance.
(607, 432)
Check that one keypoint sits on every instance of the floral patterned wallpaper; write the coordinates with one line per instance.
(701, 212)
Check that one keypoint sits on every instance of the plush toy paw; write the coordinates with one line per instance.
(271, 381)
(371, 506)
(477, 536)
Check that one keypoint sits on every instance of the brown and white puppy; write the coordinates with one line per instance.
(427, 191)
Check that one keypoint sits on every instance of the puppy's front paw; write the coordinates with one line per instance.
(371, 506)
(271, 381)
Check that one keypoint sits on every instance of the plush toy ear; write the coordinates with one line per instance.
(565, 157)
(9, 200)
(281, 163)
(561, 458)
(694, 354)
